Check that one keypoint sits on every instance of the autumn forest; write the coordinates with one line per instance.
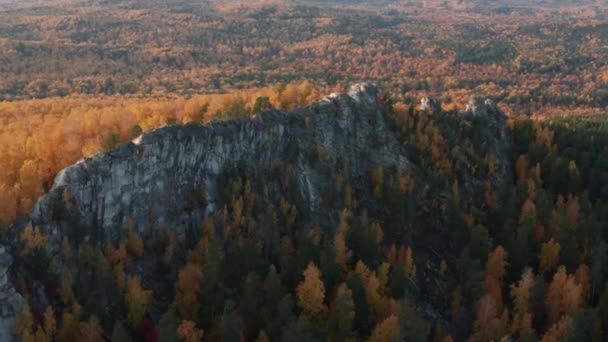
(401, 255)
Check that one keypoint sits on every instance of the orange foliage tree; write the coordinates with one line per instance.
(187, 291)
(311, 292)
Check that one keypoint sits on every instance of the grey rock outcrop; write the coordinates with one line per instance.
(477, 106)
(428, 104)
(495, 133)
(10, 301)
(153, 179)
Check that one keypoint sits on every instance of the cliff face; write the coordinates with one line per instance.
(157, 179)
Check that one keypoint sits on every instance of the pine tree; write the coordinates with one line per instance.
(343, 253)
(558, 330)
(520, 295)
(408, 262)
(188, 332)
(91, 331)
(138, 300)
(564, 295)
(490, 322)
(386, 330)
(549, 256)
(496, 268)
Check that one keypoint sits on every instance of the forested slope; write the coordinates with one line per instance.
(355, 217)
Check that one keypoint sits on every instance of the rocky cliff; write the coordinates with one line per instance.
(157, 179)
(154, 179)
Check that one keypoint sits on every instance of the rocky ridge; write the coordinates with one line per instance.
(155, 180)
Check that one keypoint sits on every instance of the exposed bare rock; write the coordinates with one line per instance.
(155, 179)
(477, 106)
(428, 104)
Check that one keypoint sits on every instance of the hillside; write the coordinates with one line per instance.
(303, 170)
(354, 216)
(276, 178)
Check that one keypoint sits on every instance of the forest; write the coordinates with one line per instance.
(526, 259)
(538, 60)
(530, 262)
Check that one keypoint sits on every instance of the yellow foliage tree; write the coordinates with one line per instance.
(91, 331)
(494, 273)
(372, 292)
(520, 295)
(138, 300)
(343, 253)
(8, 205)
(188, 332)
(564, 295)
(489, 323)
(29, 186)
(549, 255)
(70, 320)
(582, 276)
(311, 292)
(528, 213)
(386, 330)
(187, 291)
(558, 330)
